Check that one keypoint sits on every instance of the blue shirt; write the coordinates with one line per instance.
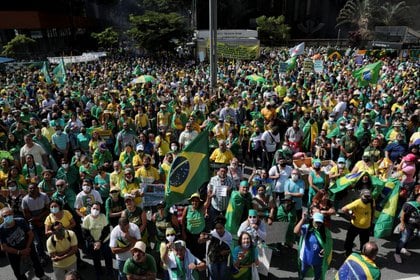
(295, 187)
(312, 247)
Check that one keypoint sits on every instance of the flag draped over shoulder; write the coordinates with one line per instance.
(358, 267)
(368, 74)
(385, 222)
(44, 72)
(189, 171)
(297, 50)
(310, 132)
(60, 73)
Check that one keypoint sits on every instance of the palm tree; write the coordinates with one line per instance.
(357, 13)
(392, 14)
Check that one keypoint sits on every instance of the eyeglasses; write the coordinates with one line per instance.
(252, 216)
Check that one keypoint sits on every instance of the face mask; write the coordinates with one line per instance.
(170, 238)
(12, 189)
(86, 188)
(94, 212)
(366, 200)
(146, 165)
(59, 233)
(54, 210)
(65, 165)
(331, 119)
(341, 165)
(253, 220)
(295, 177)
(342, 127)
(246, 246)
(284, 147)
(174, 148)
(77, 154)
(8, 220)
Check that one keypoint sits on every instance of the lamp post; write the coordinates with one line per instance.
(213, 43)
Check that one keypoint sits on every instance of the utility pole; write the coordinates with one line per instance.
(213, 44)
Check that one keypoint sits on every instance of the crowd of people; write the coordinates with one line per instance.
(77, 158)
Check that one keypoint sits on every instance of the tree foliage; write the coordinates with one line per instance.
(18, 47)
(158, 31)
(164, 6)
(108, 38)
(389, 14)
(272, 30)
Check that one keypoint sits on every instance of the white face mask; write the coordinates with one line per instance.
(341, 165)
(174, 148)
(253, 220)
(12, 189)
(65, 165)
(295, 177)
(170, 238)
(86, 188)
(331, 119)
(284, 147)
(77, 154)
(94, 212)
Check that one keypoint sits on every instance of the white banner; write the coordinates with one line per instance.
(85, 57)
(318, 66)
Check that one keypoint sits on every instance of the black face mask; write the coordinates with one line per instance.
(366, 200)
(283, 164)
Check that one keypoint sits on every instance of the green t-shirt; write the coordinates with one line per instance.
(133, 268)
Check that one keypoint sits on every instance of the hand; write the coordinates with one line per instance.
(254, 226)
(97, 246)
(210, 193)
(240, 256)
(192, 266)
(304, 215)
(26, 251)
(402, 227)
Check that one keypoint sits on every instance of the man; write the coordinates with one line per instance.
(222, 154)
(117, 175)
(269, 139)
(125, 136)
(218, 194)
(181, 263)
(361, 266)
(39, 154)
(187, 135)
(123, 238)
(148, 174)
(286, 213)
(65, 194)
(237, 211)
(279, 173)
(35, 207)
(410, 220)
(349, 147)
(62, 247)
(16, 240)
(294, 135)
(61, 144)
(102, 156)
(396, 149)
(86, 198)
(141, 266)
(295, 189)
(131, 185)
(361, 211)
(70, 174)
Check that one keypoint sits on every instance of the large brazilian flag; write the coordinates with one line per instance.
(358, 267)
(386, 208)
(189, 171)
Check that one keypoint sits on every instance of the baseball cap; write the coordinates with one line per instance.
(140, 245)
(318, 217)
(341, 160)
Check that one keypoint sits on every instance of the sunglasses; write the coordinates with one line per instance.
(171, 234)
(252, 216)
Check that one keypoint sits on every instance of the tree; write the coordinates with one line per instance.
(18, 47)
(164, 6)
(392, 14)
(272, 30)
(158, 31)
(108, 38)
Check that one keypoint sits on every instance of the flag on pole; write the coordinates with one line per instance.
(60, 72)
(189, 171)
(384, 225)
(368, 74)
(44, 72)
(137, 71)
(297, 50)
(291, 63)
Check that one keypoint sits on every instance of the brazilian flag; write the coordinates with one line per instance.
(368, 74)
(357, 266)
(387, 208)
(44, 72)
(189, 171)
(60, 72)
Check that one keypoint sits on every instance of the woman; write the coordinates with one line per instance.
(408, 169)
(245, 255)
(322, 204)
(166, 247)
(254, 226)
(264, 205)
(193, 223)
(94, 142)
(15, 176)
(366, 165)
(286, 213)
(235, 171)
(101, 183)
(126, 156)
(47, 185)
(88, 168)
(148, 147)
(232, 142)
(218, 250)
(96, 232)
(13, 146)
(58, 214)
(4, 171)
(32, 170)
(317, 180)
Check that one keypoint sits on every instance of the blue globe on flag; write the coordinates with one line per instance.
(367, 75)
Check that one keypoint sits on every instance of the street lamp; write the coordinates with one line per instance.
(213, 43)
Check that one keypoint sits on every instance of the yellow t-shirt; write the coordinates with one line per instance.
(95, 225)
(62, 246)
(147, 176)
(218, 157)
(141, 120)
(362, 212)
(362, 166)
(67, 217)
(164, 145)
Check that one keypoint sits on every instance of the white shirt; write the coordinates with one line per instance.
(270, 140)
(284, 173)
(36, 150)
(118, 241)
